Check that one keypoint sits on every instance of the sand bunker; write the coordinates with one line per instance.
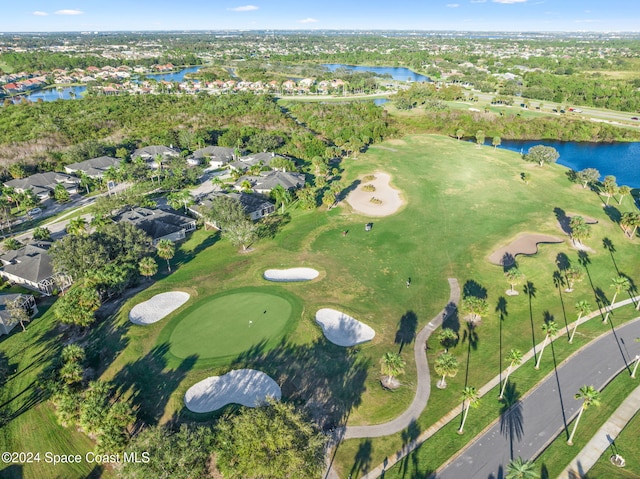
(341, 329)
(387, 199)
(291, 274)
(158, 307)
(248, 387)
(526, 244)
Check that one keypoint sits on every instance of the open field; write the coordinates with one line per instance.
(462, 203)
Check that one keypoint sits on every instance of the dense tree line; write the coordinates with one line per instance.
(511, 127)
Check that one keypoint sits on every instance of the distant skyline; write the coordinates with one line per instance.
(474, 15)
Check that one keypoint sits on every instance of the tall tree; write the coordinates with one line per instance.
(281, 196)
(521, 469)
(542, 154)
(590, 397)
(580, 230)
(623, 191)
(447, 338)
(573, 275)
(180, 199)
(181, 454)
(550, 329)
(496, 141)
(514, 356)
(480, 136)
(514, 277)
(271, 441)
(619, 283)
(77, 226)
(166, 250)
(445, 365)
(391, 365)
(474, 307)
(582, 308)
(78, 305)
(588, 176)
(609, 187)
(17, 312)
(470, 398)
(148, 267)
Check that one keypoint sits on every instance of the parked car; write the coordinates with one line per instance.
(34, 212)
(634, 118)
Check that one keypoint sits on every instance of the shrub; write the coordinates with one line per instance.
(375, 201)
(369, 188)
(368, 178)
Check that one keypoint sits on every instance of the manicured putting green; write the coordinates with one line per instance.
(230, 324)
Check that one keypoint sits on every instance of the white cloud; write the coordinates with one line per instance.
(243, 8)
(38, 13)
(69, 12)
(307, 20)
(453, 5)
(478, 1)
(509, 1)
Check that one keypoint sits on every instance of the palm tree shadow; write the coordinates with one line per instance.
(618, 342)
(406, 332)
(530, 291)
(362, 459)
(511, 418)
(610, 247)
(409, 435)
(472, 339)
(559, 282)
(501, 309)
(563, 220)
(557, 376)
(473, 288)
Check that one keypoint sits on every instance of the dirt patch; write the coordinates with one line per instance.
(386, 199)
(526, 244)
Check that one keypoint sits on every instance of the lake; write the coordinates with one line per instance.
(621, 160)
(397, 73)
(52, 94)
(173, 76)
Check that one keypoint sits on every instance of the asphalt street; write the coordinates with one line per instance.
(533, 422)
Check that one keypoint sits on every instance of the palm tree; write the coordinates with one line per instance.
(637, 358)
(630, 222)
(521, 469)
(470, 398)
(446, 365)
(550, 329)
(281, 195)
(514, 356)
(77, 226)
(619, 283)
(392, 365)
(514, 277)
(590, 397)
(447, 338)
(573, 275)
(178, 199)
(474, 307)
(582, 308)
(148, 267)
(609, 187)
(580, 230)
(166, 250)
(623, 191)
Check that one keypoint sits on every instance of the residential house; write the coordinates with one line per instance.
(268, 180)
(151, 153)
(32, 267)
(43, 184)
(245, 162)
(93, 168)
(159, 224)
(255, 206)
(217, 156)
(25, 301)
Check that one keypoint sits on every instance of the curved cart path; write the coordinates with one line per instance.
(424, 380)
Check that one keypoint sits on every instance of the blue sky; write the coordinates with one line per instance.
(506, 15)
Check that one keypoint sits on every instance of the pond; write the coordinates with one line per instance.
(621, 160)
(397, 73)
(173, 76)
(52, 94)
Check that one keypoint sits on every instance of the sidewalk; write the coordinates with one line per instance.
(602, 439)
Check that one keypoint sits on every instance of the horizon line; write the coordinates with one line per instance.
(363, 30)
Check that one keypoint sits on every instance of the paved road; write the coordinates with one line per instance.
(536, 420)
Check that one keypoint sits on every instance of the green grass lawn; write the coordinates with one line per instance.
(463, 202)
(222, 327)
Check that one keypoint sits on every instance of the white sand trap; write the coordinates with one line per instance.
(341, 329)
(248, 387)
(390, 198)
(526, 244)
(291, 274)
(158, 307)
